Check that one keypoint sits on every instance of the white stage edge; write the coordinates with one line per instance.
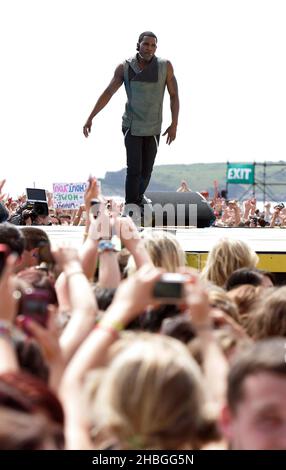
(192, 240)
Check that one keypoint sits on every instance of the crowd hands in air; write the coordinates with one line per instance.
(127, 348)
(234, 213)
(228, 213)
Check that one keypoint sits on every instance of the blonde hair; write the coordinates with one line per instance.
(226, 256)
(151, 397)
(246, 298)
(164, 250)
(269, 318)
(227, 340)
(218, 298)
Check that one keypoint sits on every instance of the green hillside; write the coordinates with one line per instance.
(201, 176)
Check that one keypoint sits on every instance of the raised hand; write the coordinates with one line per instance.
(93, 191)
(134, 295)
(65, 256)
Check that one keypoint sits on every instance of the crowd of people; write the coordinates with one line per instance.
(232, 213)
(122, 346)
(228, 213)
(241, 213)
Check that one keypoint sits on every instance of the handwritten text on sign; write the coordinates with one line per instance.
(68, 195)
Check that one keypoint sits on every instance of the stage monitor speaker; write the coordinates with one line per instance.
(178, 209)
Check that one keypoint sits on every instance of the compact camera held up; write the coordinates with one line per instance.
(170, 288)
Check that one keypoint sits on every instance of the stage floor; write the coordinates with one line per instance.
(269, 243)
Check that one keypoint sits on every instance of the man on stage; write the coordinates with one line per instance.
(145, 77)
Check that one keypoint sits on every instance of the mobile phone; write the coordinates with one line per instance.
(94, 208)
(34, 304)
(170, 288)
(4, 252)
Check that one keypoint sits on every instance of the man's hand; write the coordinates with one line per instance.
(171, 133)
(87, 127)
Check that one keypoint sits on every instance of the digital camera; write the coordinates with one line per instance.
(29, 210)
(170, 288)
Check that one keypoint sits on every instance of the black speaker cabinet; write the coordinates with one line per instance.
(178, 209)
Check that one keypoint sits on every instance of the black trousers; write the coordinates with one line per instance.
(140, 153)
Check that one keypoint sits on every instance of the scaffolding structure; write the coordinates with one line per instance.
(262, 183)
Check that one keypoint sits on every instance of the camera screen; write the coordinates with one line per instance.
(172, 290)
(34, 194)
(35, 306)
(35, 309)
(94, 209)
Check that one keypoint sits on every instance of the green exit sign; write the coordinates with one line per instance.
(240, 173)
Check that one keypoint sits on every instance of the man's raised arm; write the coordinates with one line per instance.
(104, 98)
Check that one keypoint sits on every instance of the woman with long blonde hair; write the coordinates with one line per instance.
(151, 396)
(163, 249)
(225, 257)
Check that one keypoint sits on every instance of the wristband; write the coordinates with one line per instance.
(116, 325)
(105, 245)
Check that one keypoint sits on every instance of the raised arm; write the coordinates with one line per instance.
(83, 306)
(131, 239)
(8, 358)
(214, 364)
(172, 87)
(104, 98)
(131, 299)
